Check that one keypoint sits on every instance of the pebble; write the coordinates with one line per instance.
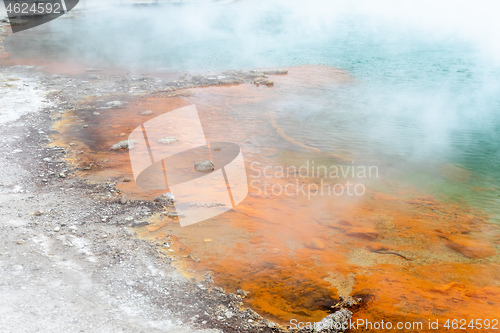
(127, 180)
(126, 144)
(168, 140)
(38, 212)
(204, 166)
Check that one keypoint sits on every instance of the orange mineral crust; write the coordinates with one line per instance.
(406, 254)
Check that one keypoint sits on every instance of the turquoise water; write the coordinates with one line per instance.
(420, 100)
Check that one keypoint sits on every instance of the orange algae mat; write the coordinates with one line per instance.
(408, 256)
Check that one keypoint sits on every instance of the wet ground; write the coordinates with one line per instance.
(407, 255)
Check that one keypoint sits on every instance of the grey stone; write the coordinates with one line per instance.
(204, 166)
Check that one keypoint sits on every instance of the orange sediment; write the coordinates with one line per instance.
(296, 254)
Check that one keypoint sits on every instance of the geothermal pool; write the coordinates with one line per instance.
(419, 109)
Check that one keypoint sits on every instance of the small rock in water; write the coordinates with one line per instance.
(126, 144)
(127, 180)
(363, 232)
(168, 140)
(204, 166)
(147, 113)
(315, 244)
(470, 247)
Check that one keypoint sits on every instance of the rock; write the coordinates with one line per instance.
(38, 212)
(123, 199)
(315, 244)
(116, 104)
(126, 144)
(470, 247)
(333, 322)
(96, 113)
(127, 180)
(147, 113)
(174, 215)
(242, 293)
(345, 223)
(363, 232)
(57, 229)
(204, 166)
(167, 198)
(62, 175)
(277, 71)
(168, 140)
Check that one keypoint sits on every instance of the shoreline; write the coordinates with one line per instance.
(63, 217)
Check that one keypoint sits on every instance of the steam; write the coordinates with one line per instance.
(427, 71)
